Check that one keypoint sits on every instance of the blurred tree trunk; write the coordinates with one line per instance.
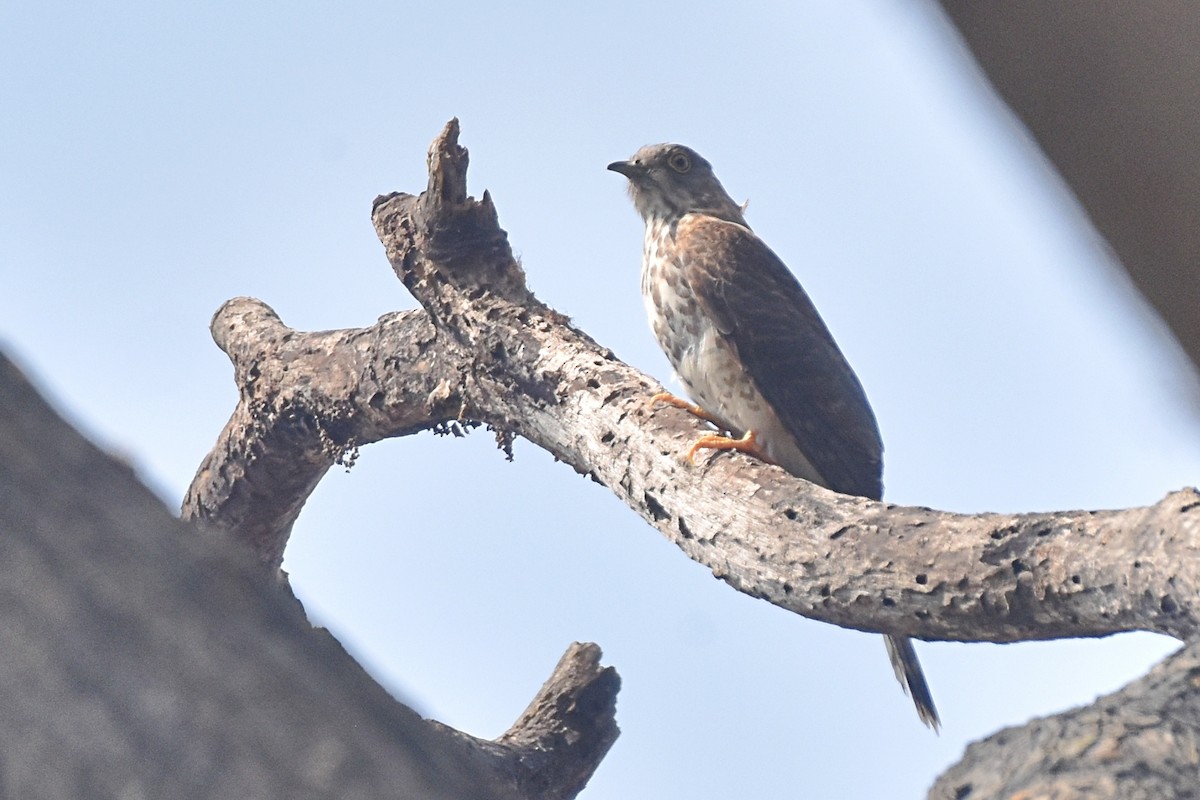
(139, 659)
(1110, 89)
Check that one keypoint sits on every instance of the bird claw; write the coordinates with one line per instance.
(712, 441)
(666, 398)
(748, 444)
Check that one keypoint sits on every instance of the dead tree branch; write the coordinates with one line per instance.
(484, 349)
(487, 350)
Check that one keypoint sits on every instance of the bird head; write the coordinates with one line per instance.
(667, 181)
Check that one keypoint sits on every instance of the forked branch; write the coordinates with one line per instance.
(487, 350)
(484, 349)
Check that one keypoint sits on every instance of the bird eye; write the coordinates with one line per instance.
(680, 162)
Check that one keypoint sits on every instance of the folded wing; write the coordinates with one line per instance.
(784, 345)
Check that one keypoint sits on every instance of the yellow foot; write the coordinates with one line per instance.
(666, 398)
(747, 444)
(713, 441)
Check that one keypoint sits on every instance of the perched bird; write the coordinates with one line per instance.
(749, 346)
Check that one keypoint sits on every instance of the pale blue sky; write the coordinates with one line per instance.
(159, 158)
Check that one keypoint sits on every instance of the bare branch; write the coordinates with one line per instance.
(306, 402)
(494, 353)
(554, 747)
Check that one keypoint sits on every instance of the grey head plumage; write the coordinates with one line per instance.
(667, 181)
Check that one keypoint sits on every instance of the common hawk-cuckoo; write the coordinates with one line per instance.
(749, 346)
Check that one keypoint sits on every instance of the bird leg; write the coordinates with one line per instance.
(669, 399)
(748, 444)
(713, 441)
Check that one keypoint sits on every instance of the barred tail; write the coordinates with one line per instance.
(912, 678)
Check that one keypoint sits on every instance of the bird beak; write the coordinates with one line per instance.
(628, 169)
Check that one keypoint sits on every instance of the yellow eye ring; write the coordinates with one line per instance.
(680, 162)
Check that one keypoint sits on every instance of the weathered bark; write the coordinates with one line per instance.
(485, 350)
(303, 398)
(845, 560)
(507, 360)
(142, 660)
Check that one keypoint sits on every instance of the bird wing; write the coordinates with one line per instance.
(763, 312)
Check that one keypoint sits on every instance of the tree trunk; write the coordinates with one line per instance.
(142, 660)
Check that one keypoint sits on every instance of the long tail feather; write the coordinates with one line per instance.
(912, 678)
